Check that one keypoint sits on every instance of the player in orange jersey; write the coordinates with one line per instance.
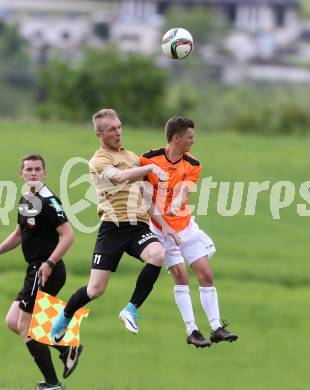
(194, 246)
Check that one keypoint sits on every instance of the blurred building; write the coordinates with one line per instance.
(260, 27)
(260, 32)
(59, 27)
(64, 27)
(248, 15)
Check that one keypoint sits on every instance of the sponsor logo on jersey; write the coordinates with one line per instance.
(57, 206)
(31, 222)
(24, 303)
(25, 211)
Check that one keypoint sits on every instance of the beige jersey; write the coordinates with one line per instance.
(121, 202)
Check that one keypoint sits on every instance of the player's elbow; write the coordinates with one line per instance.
(70, 238)
(68, 235)
(119, 178)
(18, 234)
(11, 323)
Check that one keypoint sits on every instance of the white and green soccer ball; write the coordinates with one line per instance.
(177, 43)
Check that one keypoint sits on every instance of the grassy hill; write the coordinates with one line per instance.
(261, 272)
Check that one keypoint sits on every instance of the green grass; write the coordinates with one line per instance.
(261, 272)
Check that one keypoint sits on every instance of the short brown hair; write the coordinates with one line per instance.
(177, 125)
(32, 157)
(105, 112)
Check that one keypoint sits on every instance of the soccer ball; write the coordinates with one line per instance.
(177, 43)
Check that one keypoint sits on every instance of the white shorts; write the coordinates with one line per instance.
(195, 243)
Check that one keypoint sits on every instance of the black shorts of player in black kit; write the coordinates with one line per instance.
(54, 283)
(113, 241)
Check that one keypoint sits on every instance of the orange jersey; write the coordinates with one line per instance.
(186, 170)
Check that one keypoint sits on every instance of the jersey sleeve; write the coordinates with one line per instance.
(194, 174)
(102, 168)
(98, 165)
(54, 212)
(19, 219)
(144, 161)
(192, 177)
(19, 216)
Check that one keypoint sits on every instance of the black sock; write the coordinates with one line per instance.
(42, 356)
(61, 348)
(77, 300)
(145, 283)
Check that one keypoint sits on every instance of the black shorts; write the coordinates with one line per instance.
(27, 294)
(113, 241)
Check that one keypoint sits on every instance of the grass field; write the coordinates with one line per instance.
(261, 270)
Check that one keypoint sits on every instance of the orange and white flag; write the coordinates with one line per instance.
(44, 314)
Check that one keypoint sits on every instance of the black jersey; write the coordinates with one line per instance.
(38, 216)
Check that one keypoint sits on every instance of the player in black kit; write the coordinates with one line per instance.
(41, 220)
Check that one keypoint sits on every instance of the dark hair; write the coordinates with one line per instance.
(177, 125)
(32, 157)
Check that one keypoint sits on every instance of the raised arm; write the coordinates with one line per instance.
(12, 241)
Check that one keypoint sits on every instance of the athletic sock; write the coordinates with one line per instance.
(77, 300)
(145, 283)
(131, 308)
(60, 348)
(42, 356)
(209, 301)
(183, 301)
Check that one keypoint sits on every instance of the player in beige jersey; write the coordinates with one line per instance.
(115, 173)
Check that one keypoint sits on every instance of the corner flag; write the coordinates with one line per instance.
(45, 311)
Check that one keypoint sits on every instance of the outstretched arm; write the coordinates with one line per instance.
(135, 173)
(12, 241)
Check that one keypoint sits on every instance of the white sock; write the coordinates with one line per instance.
(183, 300)
(209, 302)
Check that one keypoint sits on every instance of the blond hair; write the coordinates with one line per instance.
(104, 113)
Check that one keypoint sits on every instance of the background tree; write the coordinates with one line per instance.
(12, 46)
(132, 84)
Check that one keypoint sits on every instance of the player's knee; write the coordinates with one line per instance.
(157, 257)
(180, 276)
(94, 292)
(205, 278)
